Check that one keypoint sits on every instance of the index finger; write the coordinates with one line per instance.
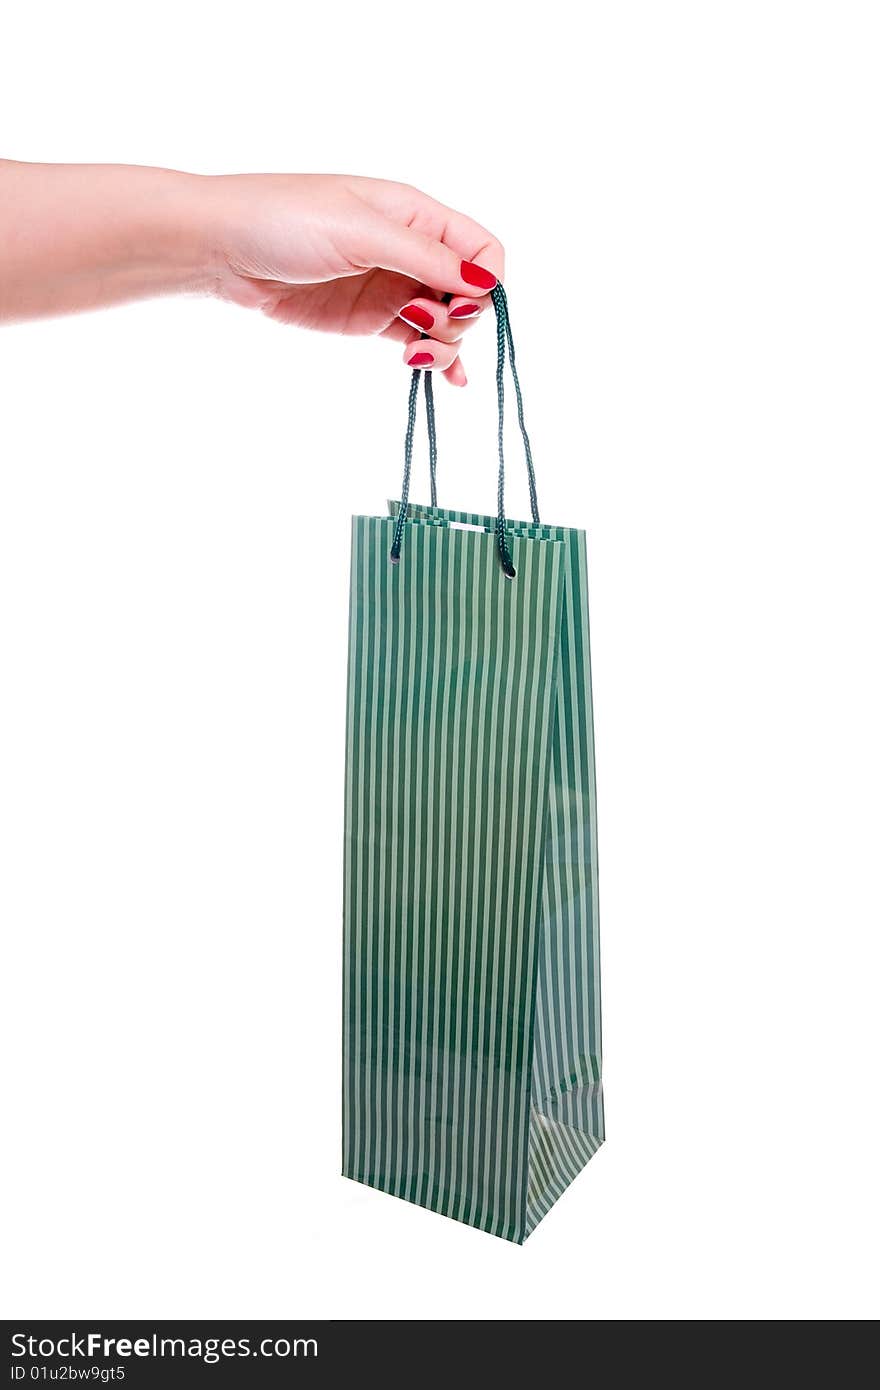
(467, 238)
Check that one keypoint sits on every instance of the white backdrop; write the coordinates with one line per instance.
(688, 198)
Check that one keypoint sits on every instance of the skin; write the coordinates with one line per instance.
(330, 252)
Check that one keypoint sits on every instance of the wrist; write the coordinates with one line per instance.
(174, 221)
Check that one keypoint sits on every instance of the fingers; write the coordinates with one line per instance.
(441, 327)
(445, 322)
(399, 332)
(429, 353)
(389, 245)
(405, 204)
(472, 242)
(464, 309)
(455, 374)
(404, 231)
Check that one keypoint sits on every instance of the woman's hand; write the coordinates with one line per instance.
(337, 253)
(355, 255)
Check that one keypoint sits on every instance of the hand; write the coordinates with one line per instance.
(346, 255)
(354, 255)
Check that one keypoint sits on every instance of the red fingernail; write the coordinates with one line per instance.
(474, 274)
(421, 359)
(465, 311)
(418, 317)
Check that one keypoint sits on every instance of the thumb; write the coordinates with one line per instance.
(389, 245)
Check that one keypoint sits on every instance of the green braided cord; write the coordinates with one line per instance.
(511, 353)
(504, 336)
(432, 435)
(432, 424)
(407, 466)
(499, 299)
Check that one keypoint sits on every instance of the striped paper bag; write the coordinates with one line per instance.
(472, 1048)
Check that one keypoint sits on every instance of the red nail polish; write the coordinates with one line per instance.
(417, 316)
(465, 311)
(421, 359)
(475, 275)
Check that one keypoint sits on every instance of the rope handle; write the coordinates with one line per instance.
(505, 352)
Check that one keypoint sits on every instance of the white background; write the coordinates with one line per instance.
(688, 197)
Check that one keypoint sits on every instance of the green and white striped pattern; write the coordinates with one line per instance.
(472, 1051)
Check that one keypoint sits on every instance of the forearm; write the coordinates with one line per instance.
(82, 236)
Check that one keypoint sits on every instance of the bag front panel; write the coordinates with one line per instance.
(451, 707)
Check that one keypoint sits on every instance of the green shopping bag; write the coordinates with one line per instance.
(472, 1049)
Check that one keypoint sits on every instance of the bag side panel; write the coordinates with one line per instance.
(567, 1112)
